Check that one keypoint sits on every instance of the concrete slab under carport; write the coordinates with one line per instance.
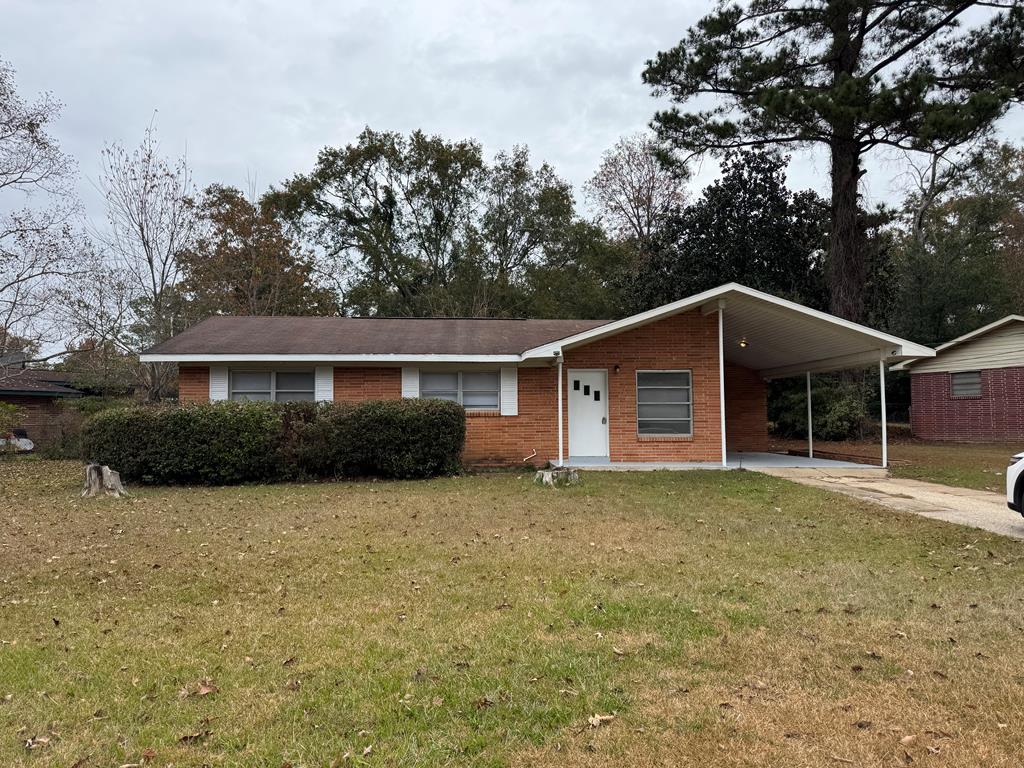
(753, 461)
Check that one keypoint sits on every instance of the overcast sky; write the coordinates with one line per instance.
(254, 89)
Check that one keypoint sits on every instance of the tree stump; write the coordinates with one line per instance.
(557, 477)
(102, 479)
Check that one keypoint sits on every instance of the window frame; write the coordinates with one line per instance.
(273, 385)
(688, 388)
(460, 390)
(952, 385)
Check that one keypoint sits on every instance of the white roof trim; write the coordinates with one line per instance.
(907, 348)
(966, 337)
(368, 358)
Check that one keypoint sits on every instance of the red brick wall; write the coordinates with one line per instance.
(39, 416)
(687, 341)
(193, 384)
(997, 415)
(746, 409)
(507, 440)
(355, 384)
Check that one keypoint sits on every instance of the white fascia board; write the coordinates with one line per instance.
(906, 348)
(842, 362)
(383, 359)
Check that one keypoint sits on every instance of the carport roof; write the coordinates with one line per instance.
(773, 336)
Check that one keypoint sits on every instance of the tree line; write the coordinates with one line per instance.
(423, 225)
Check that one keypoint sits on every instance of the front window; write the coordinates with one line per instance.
(664, 403)
(474, 390)
(965, 384)
(273, 386)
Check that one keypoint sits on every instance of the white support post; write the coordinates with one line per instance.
(560, 454)
(885, 415)
(810, 420)
(721, 376)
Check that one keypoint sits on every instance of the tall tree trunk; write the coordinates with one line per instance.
(846, 265)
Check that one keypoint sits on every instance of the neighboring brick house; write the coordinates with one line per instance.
(973, 389)
(649, 388)
(36, 393)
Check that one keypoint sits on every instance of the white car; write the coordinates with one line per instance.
(1015, 484)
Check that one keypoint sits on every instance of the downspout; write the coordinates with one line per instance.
(558, 366)
(721, 375)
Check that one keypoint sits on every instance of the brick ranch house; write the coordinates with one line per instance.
(682, 383)
(973, 389)
(37, 394)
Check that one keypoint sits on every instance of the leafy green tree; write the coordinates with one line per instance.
(747, 226)
(846, 75)
(245, 262)
(960, 254)
(425, 226)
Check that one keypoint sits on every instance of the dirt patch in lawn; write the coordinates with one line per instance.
(730, 618)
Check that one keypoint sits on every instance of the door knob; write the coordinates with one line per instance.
(604, 419)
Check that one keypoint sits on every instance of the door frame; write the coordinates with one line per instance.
(607, 416)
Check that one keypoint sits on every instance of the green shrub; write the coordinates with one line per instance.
(402, 438)
(226, 443)
(840, 408)
(71, 415)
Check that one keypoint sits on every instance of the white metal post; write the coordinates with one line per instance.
(885, 415)
(721, 375)
(559, 368)
(810, 420)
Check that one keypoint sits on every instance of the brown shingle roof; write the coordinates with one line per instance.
(367, 335)
(35, 381)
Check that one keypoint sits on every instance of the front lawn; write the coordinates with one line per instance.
(725, 619)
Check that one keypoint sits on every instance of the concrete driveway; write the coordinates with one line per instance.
(978, 509)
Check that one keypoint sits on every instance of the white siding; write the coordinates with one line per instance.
(410, 382)
(1001, 348)
(509, 392)
(324, 387)
(218, 382)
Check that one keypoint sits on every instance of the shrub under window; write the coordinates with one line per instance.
(664, 403)
(235, 442)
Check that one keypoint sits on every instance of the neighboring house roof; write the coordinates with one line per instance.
(33, 381)
(762, 332)
(996, 345)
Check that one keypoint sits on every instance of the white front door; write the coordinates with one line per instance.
(588, 413)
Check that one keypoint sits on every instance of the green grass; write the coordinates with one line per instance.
(723, 618)
(981, 466)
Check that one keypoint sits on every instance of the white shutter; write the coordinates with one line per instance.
(509, 391)
(218, 382)
(410, 382)
(324, 386)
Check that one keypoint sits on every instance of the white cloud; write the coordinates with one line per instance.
(256, 89)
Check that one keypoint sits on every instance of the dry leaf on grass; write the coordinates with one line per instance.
(596, 721)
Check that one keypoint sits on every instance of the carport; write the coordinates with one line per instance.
(772, 337)
(781, 339)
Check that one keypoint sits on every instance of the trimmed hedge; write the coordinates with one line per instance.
(227, 443)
